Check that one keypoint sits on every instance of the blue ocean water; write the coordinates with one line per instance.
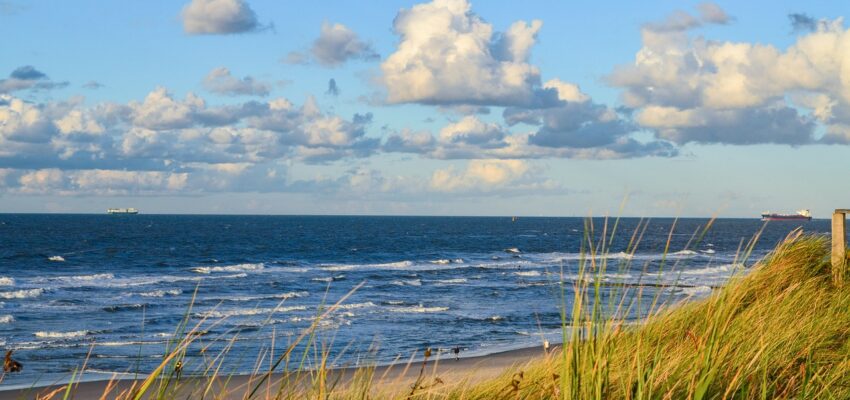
(116, 286)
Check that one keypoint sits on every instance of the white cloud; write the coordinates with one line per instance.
(489, 176)
(204, 17)
(690, 89)
(471, 130)
(220, 81)
(337, 44)
(448, 55)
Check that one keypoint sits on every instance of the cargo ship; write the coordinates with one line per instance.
(122, 211)
(801, 215)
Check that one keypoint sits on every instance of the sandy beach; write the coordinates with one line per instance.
(396, 378)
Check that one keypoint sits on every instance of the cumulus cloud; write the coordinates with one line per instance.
(680, 21)
(448, 55)
(48, 147)
(208, 17)
(337, 44)
(689, 89)
(220, 81)
(485, 176)
(28, 77)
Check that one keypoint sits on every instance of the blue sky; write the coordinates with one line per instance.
(441, 108)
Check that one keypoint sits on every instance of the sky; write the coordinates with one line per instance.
(448, 107)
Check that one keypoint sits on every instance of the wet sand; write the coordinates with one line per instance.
(392, 379)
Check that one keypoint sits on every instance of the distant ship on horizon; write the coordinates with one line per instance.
(122, 211)
(801, 215)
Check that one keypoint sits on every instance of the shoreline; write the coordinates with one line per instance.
(394, 377)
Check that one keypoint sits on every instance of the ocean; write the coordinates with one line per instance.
(115, 287)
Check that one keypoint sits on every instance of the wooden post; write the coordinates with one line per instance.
(839, 246)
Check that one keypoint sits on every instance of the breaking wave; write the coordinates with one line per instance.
(60, 335)
(230, 268)
(5, 319)
(248, 311)
(6, 281)
(417, 309)
(22, 294)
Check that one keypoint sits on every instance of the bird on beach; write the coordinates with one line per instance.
(10, 365)
(178, 369)
(456, 350)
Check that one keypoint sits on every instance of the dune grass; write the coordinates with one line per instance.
(780, 331)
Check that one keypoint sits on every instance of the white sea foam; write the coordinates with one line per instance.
(720, 269)
(337, 267)
(441, 261)
(78, 278)
(527, 273)
(248, 312)
(418, 309)
(60, 335)
(353, 306)
(161, 293)
(621, 256)
(328, 278)
(153, 280)
(451, 281)
(513, 250)
(393, 265)
(684, 253)
(411, 282)
(277, 296)
(230, 268)
(56, 258)
(6, 319)
(22, 294)
(708, 251)
(696, 290)
(6, 281)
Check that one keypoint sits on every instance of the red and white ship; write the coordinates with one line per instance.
(801, 215)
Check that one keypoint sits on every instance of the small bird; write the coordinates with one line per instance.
(178, 368)
(428, 352)
(10, 365)
(545, 345)
(456, 350)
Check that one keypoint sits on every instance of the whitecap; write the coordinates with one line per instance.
(6, 281)
(287, 295)
(248, 312)
(328, 278)
(527, 273)
(696, 290)
(356, 305)
(512, 250)
(22, 294)
(337, 267)
(684, 253)
(76, 278)
(451, 281)
(418, 309)
(161, 293)
(6, 319)
(621, 256)
(60, 335)
(441, 261)
(229, 268)
(708, 251)
(56, 258)
(412, 282)
(726, 268)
